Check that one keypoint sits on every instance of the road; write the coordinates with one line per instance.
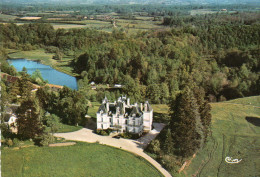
(134, 146)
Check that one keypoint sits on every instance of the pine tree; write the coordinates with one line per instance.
(204, 110)
(186, 124)
(168, 146)
(25, 86)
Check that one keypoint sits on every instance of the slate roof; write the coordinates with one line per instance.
(135, 109)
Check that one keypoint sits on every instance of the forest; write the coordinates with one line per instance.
(223, 59)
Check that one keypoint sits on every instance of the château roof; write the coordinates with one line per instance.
(122, 107)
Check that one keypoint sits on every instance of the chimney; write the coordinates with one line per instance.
(128, 101)
(123, 107)
(107, 105)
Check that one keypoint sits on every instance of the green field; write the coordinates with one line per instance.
(7, 17)
(232, 136)
(33, 55)
(82, 159)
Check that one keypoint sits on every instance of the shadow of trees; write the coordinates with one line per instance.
(254, 120)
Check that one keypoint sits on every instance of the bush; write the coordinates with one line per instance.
(16, 142)
(103, 132)
(51, 49)
(154, 146)
(170, 162)
(9, 142)
(126, 135)
(44, 140)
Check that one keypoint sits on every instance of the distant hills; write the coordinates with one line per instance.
(165, 2)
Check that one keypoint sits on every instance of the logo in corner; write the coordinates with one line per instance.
(230, 160)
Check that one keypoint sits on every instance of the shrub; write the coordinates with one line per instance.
(51, 49)
(53, 121)
(170, 162)
(126, 135)
(154, 146)
(44, 140)
(9, 142)
(16, 142)
(104, 133)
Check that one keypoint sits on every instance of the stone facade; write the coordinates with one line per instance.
(124, 117)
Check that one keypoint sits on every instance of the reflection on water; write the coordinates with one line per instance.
(48, 73)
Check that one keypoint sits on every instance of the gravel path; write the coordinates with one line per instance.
(133, 146)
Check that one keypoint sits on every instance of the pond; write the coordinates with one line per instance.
(48, 73)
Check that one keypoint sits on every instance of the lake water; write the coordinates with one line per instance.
(48, 73)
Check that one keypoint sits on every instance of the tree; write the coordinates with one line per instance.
(24, 69)
(58, 55)
(132, 88)
(204, 110)
(154, 93)
(52, 121)
(168, 145)
(164, 92)
(74, 106)
(29, 119)
(37, 77)
(25, 86)
(4, 97)
(186, 124)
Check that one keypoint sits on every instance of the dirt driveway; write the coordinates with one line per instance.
(133, 146)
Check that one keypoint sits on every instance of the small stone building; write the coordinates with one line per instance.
(124, 117)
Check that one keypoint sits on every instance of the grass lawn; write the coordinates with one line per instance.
(160, 113)
(63, 128)
(93, 110)
(82, 159)
(232, 136)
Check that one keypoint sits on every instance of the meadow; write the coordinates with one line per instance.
(82, 159)
(235, 133)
